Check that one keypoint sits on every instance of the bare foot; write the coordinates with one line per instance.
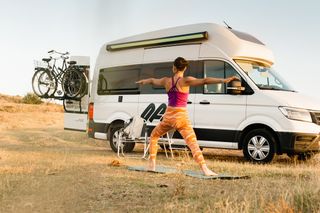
(151, 165)
(207, 171)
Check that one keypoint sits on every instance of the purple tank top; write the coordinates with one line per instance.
(177, 98)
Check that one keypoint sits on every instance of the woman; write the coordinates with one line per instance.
(176, 115)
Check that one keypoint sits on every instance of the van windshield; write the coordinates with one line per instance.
(263, 76)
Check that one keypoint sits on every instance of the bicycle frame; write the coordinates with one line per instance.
(56, 71)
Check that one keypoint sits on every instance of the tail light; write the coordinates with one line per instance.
(90, 112)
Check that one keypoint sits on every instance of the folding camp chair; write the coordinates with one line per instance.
(165, 140)
(136, 130)
(131, 132)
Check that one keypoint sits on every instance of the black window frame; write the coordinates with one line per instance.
(149, 69)
(119, 91)
(195, 69)
(200, 74)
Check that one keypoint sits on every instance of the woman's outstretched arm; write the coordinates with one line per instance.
(191, 81)
(153, 81)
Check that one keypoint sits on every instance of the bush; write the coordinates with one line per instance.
(31, 98)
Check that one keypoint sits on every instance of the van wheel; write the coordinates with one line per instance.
(259, 146)
(114, 133)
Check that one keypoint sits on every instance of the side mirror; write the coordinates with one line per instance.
(235, 87)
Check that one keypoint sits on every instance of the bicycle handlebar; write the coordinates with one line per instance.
(53, 51)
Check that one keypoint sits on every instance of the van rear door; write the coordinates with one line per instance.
(76, 111)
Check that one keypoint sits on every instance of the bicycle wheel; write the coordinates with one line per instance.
(74, 83)
(43, 83)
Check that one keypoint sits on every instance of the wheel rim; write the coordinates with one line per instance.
(73, 83)
(43, 83)
(39, 85)
(258, 147)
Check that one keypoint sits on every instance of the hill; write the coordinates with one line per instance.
(15, 114)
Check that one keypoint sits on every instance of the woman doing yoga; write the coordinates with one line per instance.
(176, 115)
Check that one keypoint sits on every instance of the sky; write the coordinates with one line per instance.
(291, 29)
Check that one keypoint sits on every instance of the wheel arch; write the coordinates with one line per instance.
(111, 125)
(116, 118)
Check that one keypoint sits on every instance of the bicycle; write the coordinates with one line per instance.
(47, 77)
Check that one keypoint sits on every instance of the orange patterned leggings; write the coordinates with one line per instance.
(176, 118)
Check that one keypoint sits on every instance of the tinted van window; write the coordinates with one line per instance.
(118, 80)
(217, 69)
(157, 70)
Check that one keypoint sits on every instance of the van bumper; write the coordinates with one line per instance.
(94, 127)
(299, 142)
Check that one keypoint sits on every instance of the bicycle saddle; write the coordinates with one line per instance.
(46, 59)
(72, 62)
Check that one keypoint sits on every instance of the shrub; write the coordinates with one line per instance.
(31, 98)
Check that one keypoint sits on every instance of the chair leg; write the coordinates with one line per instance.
(165, 149)
(146, 146)
(169, 143)
(121, 145)
(118, 145)
(170, 147)
(145, 152)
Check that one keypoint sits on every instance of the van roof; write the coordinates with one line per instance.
(233, 43)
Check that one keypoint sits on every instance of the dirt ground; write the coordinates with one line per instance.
(44, 168)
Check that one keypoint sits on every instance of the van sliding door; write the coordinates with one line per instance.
(158, 63)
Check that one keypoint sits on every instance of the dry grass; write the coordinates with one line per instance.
(46, 169)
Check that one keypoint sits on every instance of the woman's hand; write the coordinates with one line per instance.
(232, 78)
(143, 81)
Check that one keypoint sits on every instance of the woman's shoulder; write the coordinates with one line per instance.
(188, 78)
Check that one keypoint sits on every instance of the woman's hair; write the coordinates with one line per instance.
(180, 63)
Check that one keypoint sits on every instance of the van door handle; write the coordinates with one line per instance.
(120, 98)
(204, 102)
(189, 102)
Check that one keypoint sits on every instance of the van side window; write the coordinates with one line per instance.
(230, 71)
(217, 69)
(118, 81)
(155, 70)
(214, 69)
(161, 72)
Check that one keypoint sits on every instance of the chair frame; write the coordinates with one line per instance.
(124, 137)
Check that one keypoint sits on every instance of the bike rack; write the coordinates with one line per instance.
(61, 98)
(58, 72)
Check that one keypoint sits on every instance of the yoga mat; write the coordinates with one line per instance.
(159, 169)
(195, 174)
(200, 175)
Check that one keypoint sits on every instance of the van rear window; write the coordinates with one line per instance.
(117, 81)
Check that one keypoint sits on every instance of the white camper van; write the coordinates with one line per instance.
(263, 116)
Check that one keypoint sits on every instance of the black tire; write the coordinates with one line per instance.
(259, 146)
(128, 147)
(74, 83)
(44, 84)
